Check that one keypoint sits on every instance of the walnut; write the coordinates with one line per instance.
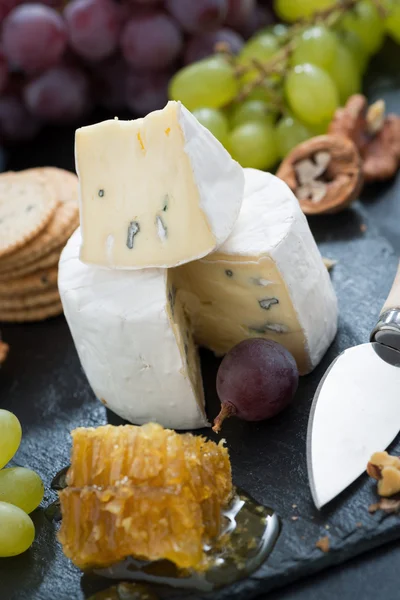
(324, 173)
(386, 470)
(376, 136)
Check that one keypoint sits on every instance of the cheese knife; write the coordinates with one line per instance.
(356, 408)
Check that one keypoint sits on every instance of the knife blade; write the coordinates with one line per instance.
(356, 407)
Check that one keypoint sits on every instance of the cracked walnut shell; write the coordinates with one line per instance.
(324, 173)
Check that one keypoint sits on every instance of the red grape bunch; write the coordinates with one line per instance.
(60, 59)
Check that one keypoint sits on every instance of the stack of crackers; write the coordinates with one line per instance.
(38, 213)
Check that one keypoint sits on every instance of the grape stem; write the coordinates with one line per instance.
(278, 64)
(227, 410)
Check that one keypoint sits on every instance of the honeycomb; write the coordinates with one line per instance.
(146, 492)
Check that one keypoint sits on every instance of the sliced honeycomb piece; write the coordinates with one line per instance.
(165, 491)
(153, 456)
(102, 527)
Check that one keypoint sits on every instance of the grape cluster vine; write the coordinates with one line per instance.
(270, 73)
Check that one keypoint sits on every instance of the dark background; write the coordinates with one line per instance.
(43, 384)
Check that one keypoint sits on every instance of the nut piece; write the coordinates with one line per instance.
(382, 154)
(377, 137)
(386, 469)
(4, 348)
(387, 505)
(350, 120)
(323, 544)
(324, 173)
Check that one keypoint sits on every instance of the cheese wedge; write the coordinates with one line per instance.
(133, 341)
(268, 279)
(155, 192)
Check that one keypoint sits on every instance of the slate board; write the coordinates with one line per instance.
(43, 384)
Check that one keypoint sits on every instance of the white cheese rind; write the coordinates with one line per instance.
(272, 222)
(219, 178)
(267, 280)
(165, 175)
(123, 335)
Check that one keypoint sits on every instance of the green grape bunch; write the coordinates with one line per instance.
(287, 81)
(21, 492)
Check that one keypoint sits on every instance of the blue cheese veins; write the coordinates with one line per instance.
(133, 230)
(266, 303)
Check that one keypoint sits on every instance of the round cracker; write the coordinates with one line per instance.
(45, 262)
(63, 223)
(27, 203)
(36, 282)
(30, 301)
(26, 262)
(39, 313)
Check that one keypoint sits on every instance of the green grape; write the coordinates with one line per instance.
(254, 145)
(311, 94)
(293, 10)
(17, 531)
(345, 74)
(251, 111)
(261, 47)
(364, 20)
(289, 133)
(320, 129)
(316, 45)
(214, 120)
(353, 43)
(21, 487)
(10, 436)
(392, 21)
(209, 82)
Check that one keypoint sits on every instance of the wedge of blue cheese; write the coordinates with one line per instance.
(133, 340)
(268, 280)
(155, 192)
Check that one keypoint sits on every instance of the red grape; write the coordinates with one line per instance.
(34, 37)
(256, 380)
(196, 16)
(60, 94)
(16, 124)
(202, 45)
(151, 41)
(147, 91)
(93, 27)
(109, 79)
(239, 12)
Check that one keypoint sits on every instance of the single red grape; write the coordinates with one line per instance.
(203, 45)
(93, 27)
(34, 37)
(151, 41)
(256, 380)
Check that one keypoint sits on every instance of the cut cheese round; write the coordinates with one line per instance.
(155, 192)
(268, 279)
(133, 341)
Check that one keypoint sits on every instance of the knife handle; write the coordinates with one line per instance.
(387, 330)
